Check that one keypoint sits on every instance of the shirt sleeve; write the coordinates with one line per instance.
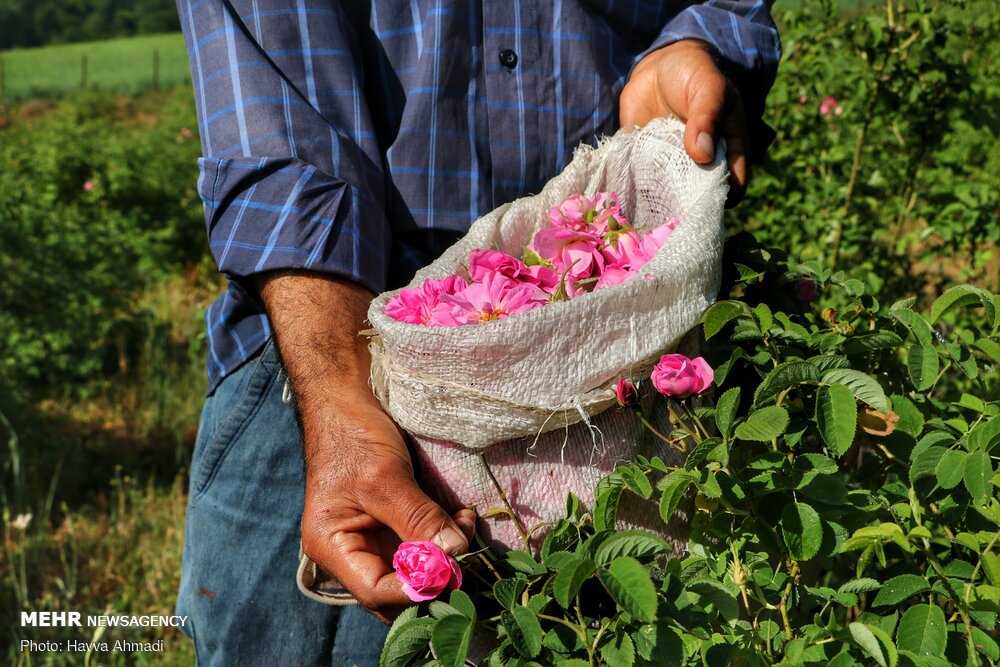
(291, 173)
(745, 37)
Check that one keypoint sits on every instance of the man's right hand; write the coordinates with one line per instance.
(361, 499)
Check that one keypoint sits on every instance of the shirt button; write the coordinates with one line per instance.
(508, 59)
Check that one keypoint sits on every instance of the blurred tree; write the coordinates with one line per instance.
(25, 23)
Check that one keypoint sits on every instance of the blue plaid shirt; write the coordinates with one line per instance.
(361, 139)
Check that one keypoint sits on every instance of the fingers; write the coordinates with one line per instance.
(716, 110)
(414, 517)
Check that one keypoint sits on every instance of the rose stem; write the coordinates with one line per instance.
(503, 497)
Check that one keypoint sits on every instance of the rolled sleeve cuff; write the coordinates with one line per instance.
(269, 214)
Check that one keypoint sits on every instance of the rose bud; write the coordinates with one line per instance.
(626, 393)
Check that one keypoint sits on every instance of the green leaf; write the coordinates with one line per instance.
(880, 340)
(964, 295)
(638, 544)
(606, 497)
(991, 566)
(524, 630)
(925, 463)
(802, 530)
(450, 640)
(836, 417)
(720, 597)
(721, 313)
(660, 645)
(522, 561)
(764, 425)
(439, 609)
(916, 325)
(407, 637)
(950, 469)
(702, 451)
(461, 601)
(863, 585)
(990, 348)
(984, 436)
(922, 630)
(863, 386)
(785, 375)
(865, 638)
(900, 588)
(618, 651)
(507, 592)
(567, 583)
(922, 362)
(629, 584)
(673, 487)
(725, 412)
(978, 472)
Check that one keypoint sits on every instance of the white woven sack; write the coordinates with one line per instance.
(517, 390)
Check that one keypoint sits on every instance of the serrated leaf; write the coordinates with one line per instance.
(721, 313)
(522, 561)
(405, 640)
(672, 488)
(863, 386)
(915, 324)
(836, 417)
(978, 472)
(880, 340)
(900, 588)
(764, 425)
(922, 630)
(802, 530)
(964, 295)
(461, 601)
(567, 583)
(991, 566)
(950, 469)
(865, 638)
(524, 630)
(618, 651)
(439, 609)
(862, 585)
(984, 436)
(925, 463)
(606, 497)
(660, 645)
(638, 544)
(713, 591)
(629, 584)
(725, 412)
(990, 348)
(701, 452)
(451, 639)
(785, 375)
(923, 364)
(507, 592)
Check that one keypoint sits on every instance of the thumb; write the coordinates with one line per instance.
(414, 517)
(705, 108)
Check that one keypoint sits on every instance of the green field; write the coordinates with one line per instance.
(122, 65)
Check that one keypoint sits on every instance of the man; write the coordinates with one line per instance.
(346, 145)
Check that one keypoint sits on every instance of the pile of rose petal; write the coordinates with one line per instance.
(588, 245)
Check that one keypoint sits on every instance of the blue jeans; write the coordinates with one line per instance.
(241, 539)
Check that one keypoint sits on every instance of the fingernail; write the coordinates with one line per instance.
(450, 540)
(706, 144)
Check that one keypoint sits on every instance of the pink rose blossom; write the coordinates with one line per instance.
(485, 262)
(571, 212)
(625, 392)
(676, 376)
(88, 186)
(612, 275)
(425, 570)
(496, 298)
(803, 99)
(827, 105)
(422, 305)
(579, 252)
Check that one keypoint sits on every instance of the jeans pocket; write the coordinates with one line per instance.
(253, 391)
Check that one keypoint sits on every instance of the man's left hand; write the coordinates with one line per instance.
(683, 80)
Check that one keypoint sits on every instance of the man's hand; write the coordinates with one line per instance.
(683, 80)
(361, 499)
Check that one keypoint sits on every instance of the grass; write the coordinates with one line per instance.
(122, 65)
